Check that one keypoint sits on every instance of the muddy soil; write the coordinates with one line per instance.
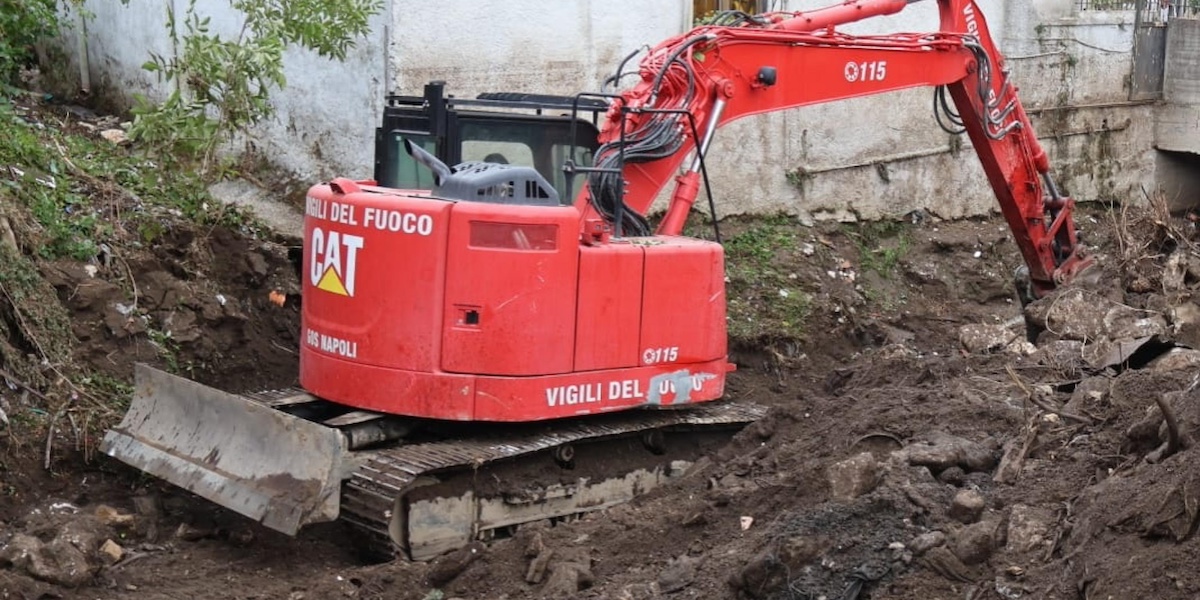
(917, 445)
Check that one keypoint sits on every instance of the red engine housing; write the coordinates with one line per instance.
(458, 310)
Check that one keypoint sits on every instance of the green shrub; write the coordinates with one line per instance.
(23, 23)
(223, 85)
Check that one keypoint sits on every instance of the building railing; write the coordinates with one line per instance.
(1106, 5)
(1149, 11)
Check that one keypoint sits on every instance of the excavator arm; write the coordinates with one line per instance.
(742, 65)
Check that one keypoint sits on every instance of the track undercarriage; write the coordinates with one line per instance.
(413, 488)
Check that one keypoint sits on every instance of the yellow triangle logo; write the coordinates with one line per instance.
(331, 283)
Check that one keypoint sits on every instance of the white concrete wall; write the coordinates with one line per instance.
(1177, 131)
(561, 47)
(326, 117)
(324, 121)
(1179, 121)
(885, 156)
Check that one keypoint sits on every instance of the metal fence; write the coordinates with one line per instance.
(1149, 11)
(1106, 5)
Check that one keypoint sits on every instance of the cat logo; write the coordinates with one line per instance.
(333, 262)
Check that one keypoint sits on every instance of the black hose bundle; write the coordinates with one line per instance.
(651, 133)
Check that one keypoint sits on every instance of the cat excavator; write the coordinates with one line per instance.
(508, 339)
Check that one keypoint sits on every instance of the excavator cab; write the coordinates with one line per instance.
(527, 130)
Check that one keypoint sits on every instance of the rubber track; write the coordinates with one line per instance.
(368, 498)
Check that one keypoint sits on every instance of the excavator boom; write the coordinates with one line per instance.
(695, 83)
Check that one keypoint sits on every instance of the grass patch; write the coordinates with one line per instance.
(114, 392)
(79, 190)
(765, 301)
(881, 245)
(35, 329)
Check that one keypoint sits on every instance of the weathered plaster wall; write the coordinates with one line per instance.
(522, 45)
(1177, 131)
(324, 121)
(885, 156)
(119, 40)
(1179, 121)
(862, 158)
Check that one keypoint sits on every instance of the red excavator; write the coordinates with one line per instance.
(475, 338)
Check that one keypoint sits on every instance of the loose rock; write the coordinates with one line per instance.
(111, 516)
(114, 136)
(679, 573)
(1078, 314)
(983, 338)
(853, 477)
(769, 568)
(1088, 395)
(536, 572)
(8, 239)
(19, 550)
(1063, 355)
(967, 506)
(192, 533)
(57, 562)
(571, 573)
(943, 562)
(446, 568)
(941, 451)
(952, 476)
(111, 552)
(83, 534)
(1028, 528)
(975, 543)
(926, 542)
(1073, 314)
(1175, 359)
(149, 510)
(1179, 269)
(1185, 324)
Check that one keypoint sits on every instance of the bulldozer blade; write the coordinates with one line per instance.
(275, 468)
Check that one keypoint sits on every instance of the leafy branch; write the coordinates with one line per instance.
(222, 85)
(23, 23)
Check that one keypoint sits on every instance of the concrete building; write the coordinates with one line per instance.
(1087, 77)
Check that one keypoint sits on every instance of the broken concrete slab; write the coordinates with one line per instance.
(283, 218)
(1111, 353)
(1083, 315)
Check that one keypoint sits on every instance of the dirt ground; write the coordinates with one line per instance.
(918, 447)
